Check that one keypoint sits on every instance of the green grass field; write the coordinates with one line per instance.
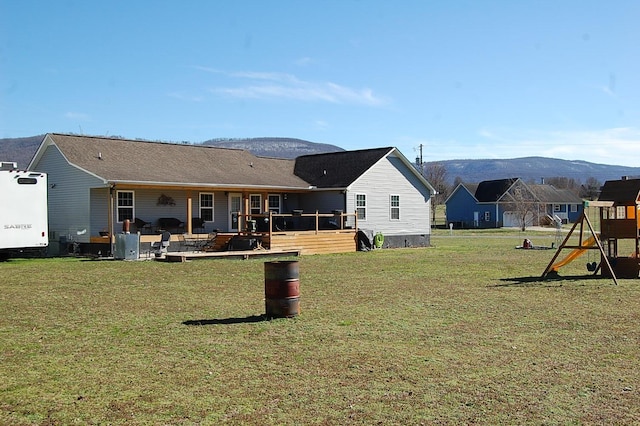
(459, 333)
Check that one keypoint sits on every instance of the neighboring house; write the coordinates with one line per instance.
(483, 208)
(96, 183)
(461, 207)
(560, 203)
(506, 202)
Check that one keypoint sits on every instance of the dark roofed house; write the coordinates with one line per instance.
(97, 183)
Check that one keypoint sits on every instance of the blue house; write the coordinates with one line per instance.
(507, 202)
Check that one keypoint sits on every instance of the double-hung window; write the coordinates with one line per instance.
(394, 213)
(124, 202)
(274, 203)
(361, 206)
(255, 203)
(206, 206)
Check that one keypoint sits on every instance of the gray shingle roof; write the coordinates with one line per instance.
(120, 160)
(551, 195)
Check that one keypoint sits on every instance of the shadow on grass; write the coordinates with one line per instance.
(227, 321)
(551, 279)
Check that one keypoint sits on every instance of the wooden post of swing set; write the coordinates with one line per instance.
(581, 244)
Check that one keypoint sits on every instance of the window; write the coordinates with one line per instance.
(487, 216)
(557, 208)
(124, 206)
(361, 206)
(395, 207)
(255, 203)
(620, 212)
(274, 203)
(206, 207)
(574, 208)
(631, 212)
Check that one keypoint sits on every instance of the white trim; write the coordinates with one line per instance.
(212, 207)
(392, 207)
(279, 209)
(364, 207)
(132, 207)
(259, 204)
(232, 212)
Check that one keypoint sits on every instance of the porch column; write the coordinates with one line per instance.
(189, 211)
(110, 225)
(243, 218)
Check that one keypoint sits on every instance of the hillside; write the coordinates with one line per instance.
(275, 147)
(532, 168)
(19, 150)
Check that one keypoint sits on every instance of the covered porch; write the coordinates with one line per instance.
(274, 233)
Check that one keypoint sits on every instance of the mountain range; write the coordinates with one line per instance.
(275, 147)
(532, 169)
(21, 150)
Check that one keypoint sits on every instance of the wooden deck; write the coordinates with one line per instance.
(270, 243)
(183, 256)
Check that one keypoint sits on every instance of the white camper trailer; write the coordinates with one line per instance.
(23, 210)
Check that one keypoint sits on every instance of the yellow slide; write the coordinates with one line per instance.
(574, 254)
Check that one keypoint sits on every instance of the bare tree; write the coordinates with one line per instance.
(590, 189)
(436, 175)
(523, 202)
(562, 182)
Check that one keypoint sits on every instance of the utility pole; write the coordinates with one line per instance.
(419, 161)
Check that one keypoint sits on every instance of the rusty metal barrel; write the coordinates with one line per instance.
(282, 289)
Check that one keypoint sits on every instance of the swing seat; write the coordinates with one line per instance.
(591, 266)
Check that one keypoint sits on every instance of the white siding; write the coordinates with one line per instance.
(69, 195)
(391, 177)
(146, 206)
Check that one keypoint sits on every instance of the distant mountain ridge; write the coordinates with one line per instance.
(275, 147)
(532, 169)
(21, 150)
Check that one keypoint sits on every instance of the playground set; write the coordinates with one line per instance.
(618, 208)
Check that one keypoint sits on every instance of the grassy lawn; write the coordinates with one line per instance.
(456, 333)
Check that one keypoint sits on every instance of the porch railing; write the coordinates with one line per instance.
(296, 221)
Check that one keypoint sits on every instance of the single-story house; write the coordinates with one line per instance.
(503, 202)
(97, 184)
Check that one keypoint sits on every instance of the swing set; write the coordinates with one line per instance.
(618, 221)
(585, 244)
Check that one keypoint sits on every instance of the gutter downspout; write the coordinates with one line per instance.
(110, 224)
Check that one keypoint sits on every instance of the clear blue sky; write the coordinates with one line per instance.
(465, 79)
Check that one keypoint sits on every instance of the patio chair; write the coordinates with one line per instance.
(194, 244)
(142, 225)
(160, 247)
(197, 223)
(210, 242)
